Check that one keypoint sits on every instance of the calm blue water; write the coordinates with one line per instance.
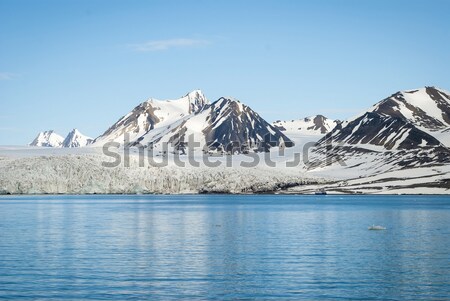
(224, 247)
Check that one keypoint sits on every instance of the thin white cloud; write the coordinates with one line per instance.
(161, 45)
(7, 75)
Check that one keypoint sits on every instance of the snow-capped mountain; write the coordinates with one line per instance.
(427, 108)
(405, 120)
(76, 139)
(380, 130)
(48, 139)
(314, 125)
(230, 122)
(51, 139)
(226, 125)
(153, 114)
(404, 127)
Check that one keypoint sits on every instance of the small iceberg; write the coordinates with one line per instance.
(373, 227)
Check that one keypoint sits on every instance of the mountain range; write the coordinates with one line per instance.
(224, 125)
(51, 139)
(398, 145)
(413, 121)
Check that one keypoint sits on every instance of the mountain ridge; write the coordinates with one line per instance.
(153, 113)
(75, 139)
(226, 125)
(51, 139)
(47, 139)
(401, 126)
(316, 124)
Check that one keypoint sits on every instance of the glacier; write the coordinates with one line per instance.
(82, 171)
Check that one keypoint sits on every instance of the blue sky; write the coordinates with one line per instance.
(84, 64)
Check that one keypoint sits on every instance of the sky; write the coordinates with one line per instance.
(84, 64)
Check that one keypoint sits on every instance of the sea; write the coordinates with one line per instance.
(224, 247)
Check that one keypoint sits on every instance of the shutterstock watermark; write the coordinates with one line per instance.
(190, 153)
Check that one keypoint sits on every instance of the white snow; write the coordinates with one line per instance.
(422, 100)
(167, 111)
(443, 136)
(48, 139)
(76, 139)
(418, 99)
(303, 126)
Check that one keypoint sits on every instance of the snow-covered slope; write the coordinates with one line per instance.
(76, 139)
(153, 114)
(427, 108)
(405, 120)
(48, 139)
(307, 131)
(404, 126)
(313, 125)
(226, 125)
(421, 180)
(388, 132)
